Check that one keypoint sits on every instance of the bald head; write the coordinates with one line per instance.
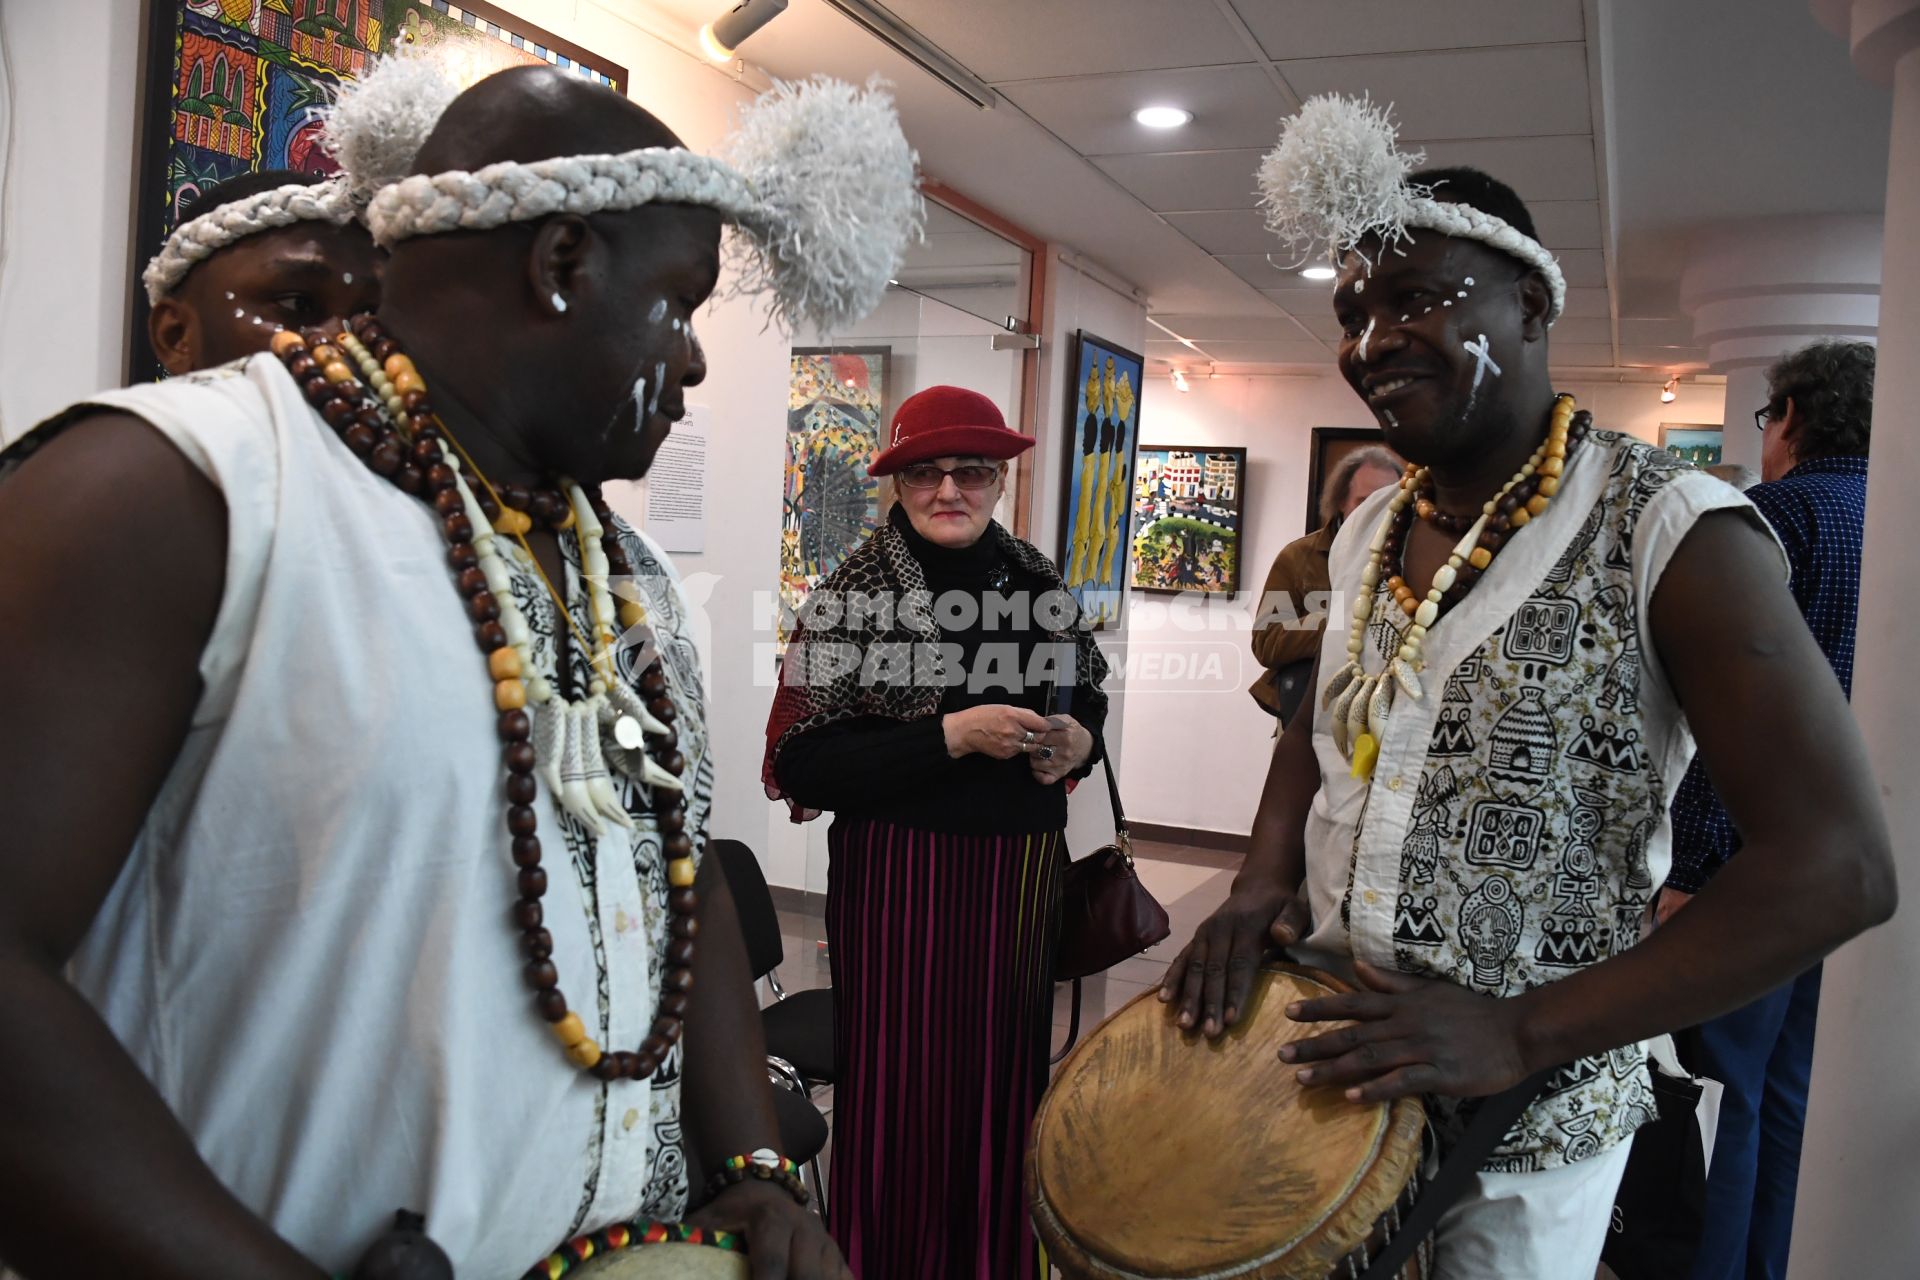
(537, 113)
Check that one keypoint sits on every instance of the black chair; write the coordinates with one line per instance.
(799, 1027)
(799, 1048)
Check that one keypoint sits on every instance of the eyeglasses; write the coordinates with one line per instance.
(925, 475)
(1761, 417)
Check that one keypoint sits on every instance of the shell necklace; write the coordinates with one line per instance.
(1360, 704)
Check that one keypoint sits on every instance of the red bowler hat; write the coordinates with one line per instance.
(947, 422)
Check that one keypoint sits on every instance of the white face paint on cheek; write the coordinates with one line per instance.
(1359, 286)
(659, 311)
(659, 385)
(346, 277)
(559, 303)
(1483, 361)
(1365, 337)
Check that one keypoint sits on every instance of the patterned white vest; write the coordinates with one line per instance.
(1516, 827)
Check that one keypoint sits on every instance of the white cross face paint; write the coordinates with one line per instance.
(1482, 360)
(559, 303)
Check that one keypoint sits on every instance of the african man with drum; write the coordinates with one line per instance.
(1469, 815)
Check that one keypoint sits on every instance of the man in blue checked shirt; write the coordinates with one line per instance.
(1814, 466)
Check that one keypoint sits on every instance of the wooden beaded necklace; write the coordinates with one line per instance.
(1360, 704)
(384, 417)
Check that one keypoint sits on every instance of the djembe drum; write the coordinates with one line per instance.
(1160, 1154)
(648, 1251)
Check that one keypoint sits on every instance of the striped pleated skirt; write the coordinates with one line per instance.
(942, 955)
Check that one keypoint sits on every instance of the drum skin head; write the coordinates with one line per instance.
(665, 1262)
(1159, 1154)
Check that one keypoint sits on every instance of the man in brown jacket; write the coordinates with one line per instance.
(1286, 633)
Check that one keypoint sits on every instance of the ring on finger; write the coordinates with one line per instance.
(1045, 753)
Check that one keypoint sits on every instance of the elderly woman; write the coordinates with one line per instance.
(937, 694)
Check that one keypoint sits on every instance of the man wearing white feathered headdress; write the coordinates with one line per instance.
(1549, 614)
(383, 869)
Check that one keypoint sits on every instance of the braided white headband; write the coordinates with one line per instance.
(817, 180)
(1337, 177)
(197, 239)
(425, 205)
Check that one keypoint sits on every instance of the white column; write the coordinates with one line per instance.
(1758, 288)
(1859, 1199)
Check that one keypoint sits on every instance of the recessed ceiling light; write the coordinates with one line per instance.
(1319, 273)
(1162, 117)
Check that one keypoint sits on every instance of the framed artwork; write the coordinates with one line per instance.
(1330, 445)
(1186, 516)
(1698, 443)
(1103, 410)
(836, 413)
(238, 86)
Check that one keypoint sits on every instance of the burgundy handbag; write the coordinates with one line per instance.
(1107, 915)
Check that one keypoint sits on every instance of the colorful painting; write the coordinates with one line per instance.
(1186, 510)
(1104, 412)
(836, 412)
(237, 86)
(1698, 444)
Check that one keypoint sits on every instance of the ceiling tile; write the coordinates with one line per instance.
(1273, 275)
(1232, 231)
(1471, 93)
(1656, 332)
(1018, 40)
(1187, 179)
(1659, 357)
(1232, 107)
(1551, 168)
(1322, 326)
(1576, 356)
(1303, 351)
(1575, 330)
(1203, 329)
(1333, 28)
(1567, 224)
(1587, 302)
(1583, 268)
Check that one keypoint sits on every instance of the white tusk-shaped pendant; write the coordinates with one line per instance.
(623, 701)
(1338, 714)
(1357, 708)
(653, 775)
(1341, 679)
(599, 785)
(1403, 672)
(574, 797)
(1379, 705)
(549, 742)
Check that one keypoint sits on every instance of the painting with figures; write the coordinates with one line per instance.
(1186, 513)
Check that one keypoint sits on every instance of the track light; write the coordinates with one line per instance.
(1162, 117)
(1319, 273)
(1668, 392)
(1179, 380)
(719, 38)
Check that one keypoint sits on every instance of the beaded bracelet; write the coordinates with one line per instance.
(626, 1236)
(762, 1164)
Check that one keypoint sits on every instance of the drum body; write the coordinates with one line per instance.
(664, 1262)
(1159, 1154)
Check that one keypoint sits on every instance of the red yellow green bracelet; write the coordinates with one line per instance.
(612, 1239)
(766, 1165)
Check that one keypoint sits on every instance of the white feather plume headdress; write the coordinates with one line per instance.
(1338, 176)
(197, 239)
(817, 180)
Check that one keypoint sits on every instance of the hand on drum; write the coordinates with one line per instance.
(784, 1240)
(1212, 978)
(1410, 1035)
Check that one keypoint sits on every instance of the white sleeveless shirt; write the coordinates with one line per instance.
(309, 951)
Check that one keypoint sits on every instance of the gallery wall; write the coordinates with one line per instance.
(1196, 746)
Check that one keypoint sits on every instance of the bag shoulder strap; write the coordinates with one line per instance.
(1113, 788)
(1489, 1124)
